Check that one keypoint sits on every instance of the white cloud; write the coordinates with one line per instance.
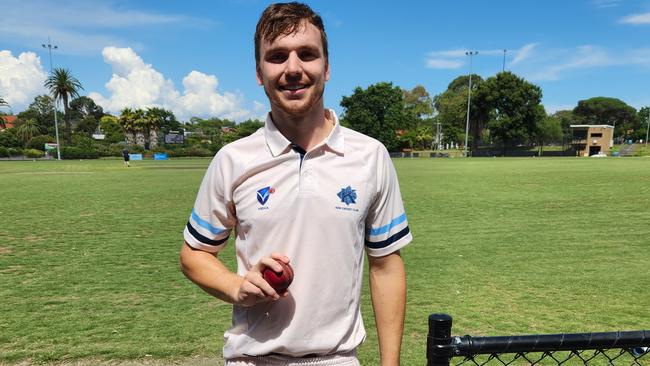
(135, 84)
(636, 19)
(606, 3)
(555, 64)
(448, 53)
(443, 64)
(523, 53)
(21, 78)
(455, 58)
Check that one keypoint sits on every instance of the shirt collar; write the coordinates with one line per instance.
(278, 144)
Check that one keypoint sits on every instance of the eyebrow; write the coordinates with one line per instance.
(312, 46)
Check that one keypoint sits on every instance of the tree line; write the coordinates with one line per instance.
(505, 111)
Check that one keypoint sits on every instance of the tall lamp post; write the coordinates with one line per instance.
(49, 47)
(647, 132)
(469, 96)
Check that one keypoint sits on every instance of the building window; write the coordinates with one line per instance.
(597, 134)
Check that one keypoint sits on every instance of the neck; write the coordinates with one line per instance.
(307, 130)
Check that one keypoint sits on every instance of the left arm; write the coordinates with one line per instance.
(388, 292)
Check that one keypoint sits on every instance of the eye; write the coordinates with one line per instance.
(308, 55)
(276, 57)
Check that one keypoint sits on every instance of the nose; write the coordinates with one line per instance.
(293, 65)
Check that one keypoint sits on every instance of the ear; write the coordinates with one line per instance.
(327, 70)
(258, 75)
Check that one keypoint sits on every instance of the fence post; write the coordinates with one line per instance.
(439, 340)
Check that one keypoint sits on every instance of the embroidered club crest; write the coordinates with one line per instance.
(264, 194)
(348, 195)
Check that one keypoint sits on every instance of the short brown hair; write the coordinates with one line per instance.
(283, 19)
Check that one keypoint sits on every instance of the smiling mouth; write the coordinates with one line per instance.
(294, 87)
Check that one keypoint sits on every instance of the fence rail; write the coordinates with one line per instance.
(628, 346)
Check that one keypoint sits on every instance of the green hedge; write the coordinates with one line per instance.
(34, 153)
(14, 151)
(4, 152)
(71, 152)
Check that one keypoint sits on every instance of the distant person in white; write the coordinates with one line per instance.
(306, 191)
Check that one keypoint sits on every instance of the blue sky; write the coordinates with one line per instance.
(196, 57)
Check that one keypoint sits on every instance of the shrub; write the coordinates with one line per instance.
(34, 153)
(38, 142)
(8, 138)
(14, 151)
(72, 152)
(135, 149)
(198, 151)
(82, 141)
(4, 152)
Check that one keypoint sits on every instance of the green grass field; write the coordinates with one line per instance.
(89, 268)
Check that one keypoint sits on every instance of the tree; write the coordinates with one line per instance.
(160, 119)
(243, 129)
(42, 111)
(378, 111)
(644, 119)
(87, 126)
(548, 130)
(3, 103)
(83, 107)
(513, 107)
(111, 129)
(27, 129)
(451, 108)
(63, 86)
(166, 118)
(140, 127)
(607, 111)
(127, 122)
(419, 101)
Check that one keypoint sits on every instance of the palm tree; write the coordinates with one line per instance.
(64, 86)
(3, 103)
(155, 122)
(27, 129)
(127, 122)
(140, 125)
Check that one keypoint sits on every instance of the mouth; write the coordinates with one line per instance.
(294, 88)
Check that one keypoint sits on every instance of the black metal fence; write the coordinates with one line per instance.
(609, 348)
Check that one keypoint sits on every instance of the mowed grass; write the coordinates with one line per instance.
(89, 255)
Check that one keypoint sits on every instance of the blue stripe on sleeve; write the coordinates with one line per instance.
(389, 241)
(386, 228)
(206, 225)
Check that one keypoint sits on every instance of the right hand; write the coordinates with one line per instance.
(254, 288)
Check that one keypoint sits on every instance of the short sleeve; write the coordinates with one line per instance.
(213, 214)
(387, 229)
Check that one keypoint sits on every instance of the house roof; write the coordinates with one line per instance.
(591, 126)
(9, 121)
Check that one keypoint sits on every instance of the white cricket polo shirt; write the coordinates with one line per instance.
(323, 211)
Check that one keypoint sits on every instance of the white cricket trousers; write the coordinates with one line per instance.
(348, 359)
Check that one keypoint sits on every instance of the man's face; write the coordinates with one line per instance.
(293, 70)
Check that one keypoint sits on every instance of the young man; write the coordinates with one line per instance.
(302, 190)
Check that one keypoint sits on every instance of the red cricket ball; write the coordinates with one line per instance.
(280, 281)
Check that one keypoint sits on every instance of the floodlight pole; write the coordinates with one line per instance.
(504, 61)
(49, 47)
(647, 131)
(469, 96)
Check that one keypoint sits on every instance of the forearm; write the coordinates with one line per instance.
(209, 273)
(388, 291)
